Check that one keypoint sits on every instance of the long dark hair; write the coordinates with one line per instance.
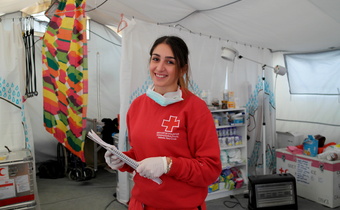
(181, 54)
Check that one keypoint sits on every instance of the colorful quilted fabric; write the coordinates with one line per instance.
(65, 78)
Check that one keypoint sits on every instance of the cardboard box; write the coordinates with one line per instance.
(317, 180)
(213, 187)
(310, 146)
(285, 139)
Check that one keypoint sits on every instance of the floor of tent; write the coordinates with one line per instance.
(98, 193)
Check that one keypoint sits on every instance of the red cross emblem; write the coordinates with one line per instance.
(281, 170)
(170, 124)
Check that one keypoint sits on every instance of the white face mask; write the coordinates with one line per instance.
(167, 98)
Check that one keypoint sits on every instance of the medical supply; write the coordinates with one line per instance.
(224, 104)
(321, 140)
(330, 153)
(167, 98)
(239, 183)
(231, 96)
(214, 187)
(225, 119)
(16, 180)
(233, 131)
(237, 102)
(224, 158)
(225, 95)
(204, 96)
(237, 140)
(215, 102)
(310, 146)
(238, 120)
(230, 141)
(230, 184)
(332, 156)
(231, 105)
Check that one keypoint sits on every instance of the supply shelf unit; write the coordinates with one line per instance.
(241, 130)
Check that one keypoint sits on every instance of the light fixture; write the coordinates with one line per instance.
(230, 53)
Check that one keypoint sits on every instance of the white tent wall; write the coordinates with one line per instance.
(12, 73)
(306, 114)
(46, 144)
(104, 53)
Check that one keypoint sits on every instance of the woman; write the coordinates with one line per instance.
(172, 135)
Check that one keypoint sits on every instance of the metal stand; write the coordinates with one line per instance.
(263, 122)
(264, 146)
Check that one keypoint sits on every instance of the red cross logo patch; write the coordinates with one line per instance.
(170, 124)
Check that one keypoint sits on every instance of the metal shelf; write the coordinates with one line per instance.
(221, 193)
(232, 147)
(242, 131)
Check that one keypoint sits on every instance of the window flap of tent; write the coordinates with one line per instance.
(314, 73)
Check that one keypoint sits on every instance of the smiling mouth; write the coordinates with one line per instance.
(160, 76)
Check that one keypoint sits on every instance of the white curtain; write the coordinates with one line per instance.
(12, 87)
(15, 125)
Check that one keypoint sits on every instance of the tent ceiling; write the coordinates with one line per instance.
(289, 25)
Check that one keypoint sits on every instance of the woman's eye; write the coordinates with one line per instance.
(170, 62)
(155, 59)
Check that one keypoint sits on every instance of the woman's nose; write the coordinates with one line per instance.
(161, 65)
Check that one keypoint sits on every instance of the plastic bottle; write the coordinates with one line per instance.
(225, 95)
(332, 156)
(204, 96)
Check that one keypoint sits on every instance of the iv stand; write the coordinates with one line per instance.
(263, 111)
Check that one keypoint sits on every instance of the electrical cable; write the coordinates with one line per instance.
(117, 202)
(96, 7)
(197, 11)
(233, 202)
(110, 203)
(104, 38)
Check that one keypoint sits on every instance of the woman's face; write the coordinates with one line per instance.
(163, 69)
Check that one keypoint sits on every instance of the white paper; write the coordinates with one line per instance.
(303, 173)
(22, 183)
(7, 189)
(94, 137)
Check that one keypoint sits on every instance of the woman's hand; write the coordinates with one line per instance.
(152, 167)
(113, 161)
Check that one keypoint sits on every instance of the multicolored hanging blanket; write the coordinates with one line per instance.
(65, 78)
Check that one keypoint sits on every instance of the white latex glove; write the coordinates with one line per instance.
(152, 167)
(113, 161)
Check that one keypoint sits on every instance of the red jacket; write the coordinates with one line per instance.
(184, 131)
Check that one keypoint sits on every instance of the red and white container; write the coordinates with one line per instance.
(317, 180)
(16, 180)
